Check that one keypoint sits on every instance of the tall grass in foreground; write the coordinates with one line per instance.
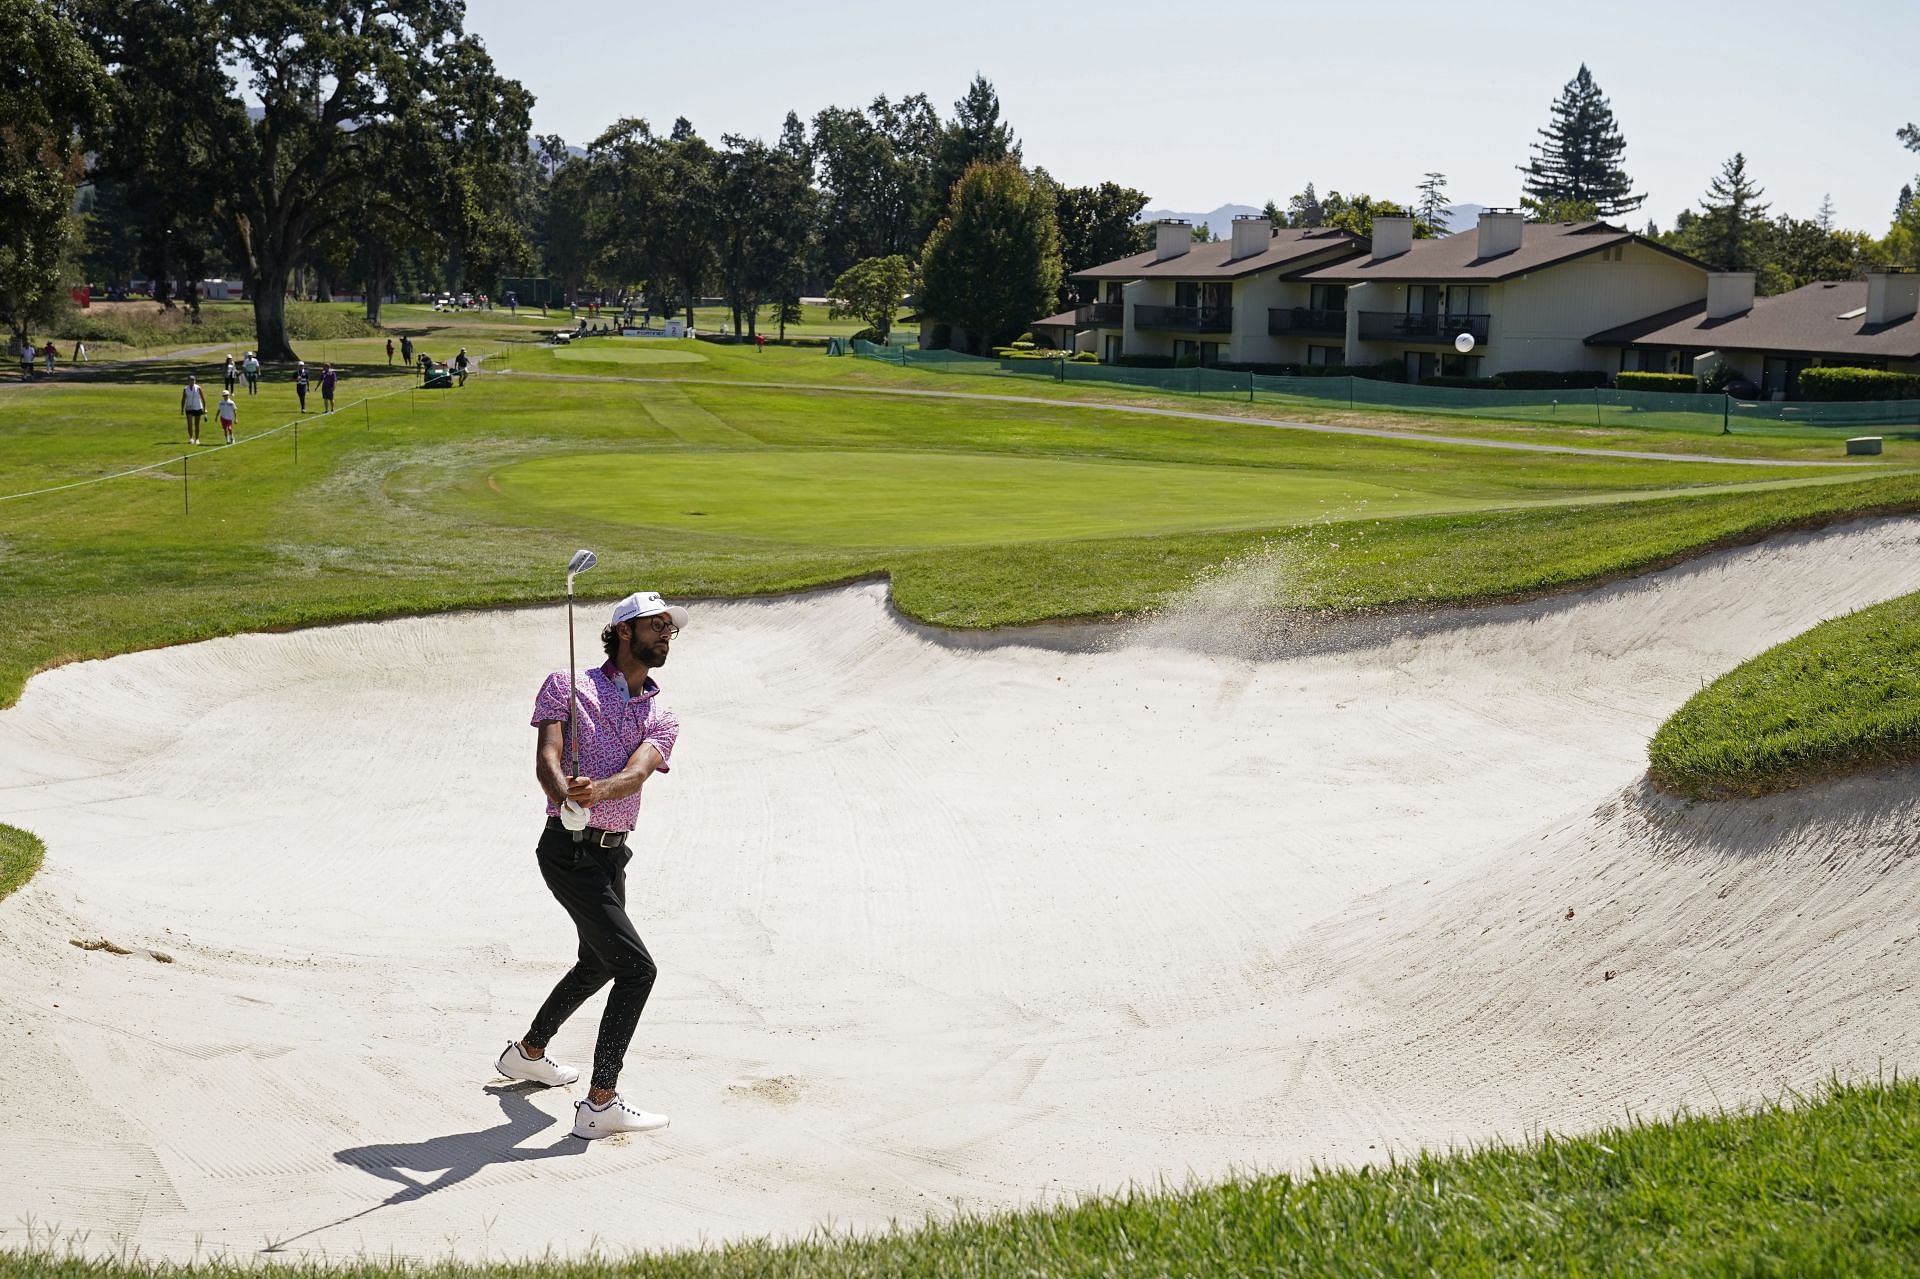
(1843, 696)
(1828, 1186)
(20, 855)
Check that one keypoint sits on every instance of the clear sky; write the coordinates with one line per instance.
(1199, 106)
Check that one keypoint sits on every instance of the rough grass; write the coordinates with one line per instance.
(20, 856)
(144, 325)
(1842, 697)
(1825, 1186)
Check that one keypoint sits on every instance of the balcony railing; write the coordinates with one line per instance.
(1187, 319)
(1100, 315)
(1301, 319)
(1400, 326)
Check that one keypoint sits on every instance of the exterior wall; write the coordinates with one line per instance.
(1252, 344)
(1542, 320)
(1152, 341)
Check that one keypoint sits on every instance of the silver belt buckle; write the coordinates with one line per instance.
(610, 838)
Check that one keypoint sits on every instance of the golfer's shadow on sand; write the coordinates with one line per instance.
(455, 1157)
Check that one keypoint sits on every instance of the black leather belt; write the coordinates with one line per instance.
(592, 834)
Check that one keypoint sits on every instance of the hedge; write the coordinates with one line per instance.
(1835, 383)
(1551, 380)
(1464, 383)
(1684, 383)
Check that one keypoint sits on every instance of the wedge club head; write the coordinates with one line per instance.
(582, 560)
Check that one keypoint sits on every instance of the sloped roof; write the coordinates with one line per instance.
(1456, 257)
(1808, 321)
(1289, 246)
(1064, 320)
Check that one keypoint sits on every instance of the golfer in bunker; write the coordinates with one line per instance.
(622, 736)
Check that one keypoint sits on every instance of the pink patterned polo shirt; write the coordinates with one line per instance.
(613, 724)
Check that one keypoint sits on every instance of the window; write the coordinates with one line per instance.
(1113, 348)
(1467, 299)
(1324, 355)
(1328, 297)
(1186, 293)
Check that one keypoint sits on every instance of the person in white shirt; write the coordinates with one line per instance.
(193, 403)
(228, 413)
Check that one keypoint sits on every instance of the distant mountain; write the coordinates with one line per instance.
(1219, 221)
(1460, 217)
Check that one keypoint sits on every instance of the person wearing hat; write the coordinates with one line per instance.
(624, 736)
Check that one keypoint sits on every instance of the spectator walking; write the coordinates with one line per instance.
(406, 349)
(232, 374)
(48, 352)
(327, 380)
(251, 368)
(389, 352)
(193, 403)
(760, 343)
(460, 365)
(79, 352)
(228, 413)
(27, 351)
(300, 383)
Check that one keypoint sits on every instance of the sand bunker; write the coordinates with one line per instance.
(941, 925)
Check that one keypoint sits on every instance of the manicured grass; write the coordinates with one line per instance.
(407, 504)
(20, 855)
(1830, 1186)
(812, 366)
(1844, 696)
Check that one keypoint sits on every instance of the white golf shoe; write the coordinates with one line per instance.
(515, 1064)
(590, 1121)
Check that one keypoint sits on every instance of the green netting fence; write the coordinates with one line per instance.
(1600, 407)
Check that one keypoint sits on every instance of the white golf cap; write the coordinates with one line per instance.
(648, 604)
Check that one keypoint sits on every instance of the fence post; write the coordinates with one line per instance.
(1726, 413)
(185, 507)
(1349, 390)
(1059, 370)
(1596, 406)
(296, 441)
(1249, 386)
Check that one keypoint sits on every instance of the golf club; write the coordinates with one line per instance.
(572, 816)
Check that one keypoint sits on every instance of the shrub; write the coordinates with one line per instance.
(1720, 378)
(1086, 357)
(1145, 361)
(1385, 371)
(1838, 383)
(1681, 383)
(1463, 383)
(1550, 380)
(1265, 370)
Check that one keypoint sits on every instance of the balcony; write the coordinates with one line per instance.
(1184, 319)
(1282, 320)
(1440, 330)
(1100, 315)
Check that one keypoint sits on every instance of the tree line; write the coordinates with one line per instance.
(315, 145)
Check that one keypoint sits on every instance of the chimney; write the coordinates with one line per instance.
(1499, 232)
(1729, 293)
(1171, 238)
(1251, 234)
(1891, 296)
(1392, 236)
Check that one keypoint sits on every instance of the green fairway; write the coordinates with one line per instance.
(847, 498)
(624, 351)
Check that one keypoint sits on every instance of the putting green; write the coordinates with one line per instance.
(913, 499)
(628, 351)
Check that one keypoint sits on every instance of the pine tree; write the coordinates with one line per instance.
(1579, 160)
(1824, 218)
(975, 135)
(1430, 212)
(1732, 220)
(1905, 202)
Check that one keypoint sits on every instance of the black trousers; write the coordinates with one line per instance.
(590, 882)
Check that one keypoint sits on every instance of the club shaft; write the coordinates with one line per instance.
(573, 730)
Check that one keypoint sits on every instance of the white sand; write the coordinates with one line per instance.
(940, 925)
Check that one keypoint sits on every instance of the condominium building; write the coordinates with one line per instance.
(1530, 294)
(1872, 323)
(1231, 301)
